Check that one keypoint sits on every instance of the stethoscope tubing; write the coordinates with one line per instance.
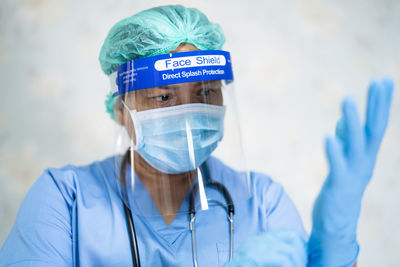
(192, 211)
(132, 236)
(128, 215)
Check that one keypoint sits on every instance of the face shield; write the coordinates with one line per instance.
(178, 148)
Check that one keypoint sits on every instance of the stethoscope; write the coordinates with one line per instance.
(208, 182)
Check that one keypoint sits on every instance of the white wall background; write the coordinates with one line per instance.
(293, 62)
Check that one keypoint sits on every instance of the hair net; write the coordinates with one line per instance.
(156, 31)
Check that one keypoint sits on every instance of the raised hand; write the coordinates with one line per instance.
(351, 155)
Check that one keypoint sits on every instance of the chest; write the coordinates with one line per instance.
(101, 237)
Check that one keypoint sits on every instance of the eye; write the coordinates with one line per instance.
(207, 92)
(162, 98)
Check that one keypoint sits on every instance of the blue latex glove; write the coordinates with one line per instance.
(275, 248)
(351, 156)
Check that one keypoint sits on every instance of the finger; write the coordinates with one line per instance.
(371, 107)
(288, 235)
(334, 154)
(353, 132)
(292, 255)
(375, 124)
(388, 85)
(293, 246)
(378, 113)
(340, 130)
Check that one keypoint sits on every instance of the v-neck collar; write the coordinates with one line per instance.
(142, 206)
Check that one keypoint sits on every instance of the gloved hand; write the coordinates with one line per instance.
(277, 248)
(351, 156)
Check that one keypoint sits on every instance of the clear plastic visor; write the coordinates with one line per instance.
(179, 149)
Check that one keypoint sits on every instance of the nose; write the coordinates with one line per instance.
(188, 94)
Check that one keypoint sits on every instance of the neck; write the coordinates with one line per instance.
(166, 190)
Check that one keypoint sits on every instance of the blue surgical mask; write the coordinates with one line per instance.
(179, 138)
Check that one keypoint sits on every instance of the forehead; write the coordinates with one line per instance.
(181, 87)
(191, 84)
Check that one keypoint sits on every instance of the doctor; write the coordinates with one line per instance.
(178, 193)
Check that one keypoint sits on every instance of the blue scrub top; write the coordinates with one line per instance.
(74, 216)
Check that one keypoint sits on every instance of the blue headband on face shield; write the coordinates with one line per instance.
(173, 68)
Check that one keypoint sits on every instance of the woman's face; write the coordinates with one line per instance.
(207, 92)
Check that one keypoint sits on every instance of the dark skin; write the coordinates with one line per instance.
(166, 190)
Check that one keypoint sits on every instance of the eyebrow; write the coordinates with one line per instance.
(167, 87)
(199, 83)
(212, 82)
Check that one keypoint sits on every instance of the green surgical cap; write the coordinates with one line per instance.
(157, 31)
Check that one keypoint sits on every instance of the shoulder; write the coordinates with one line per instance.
(258, 184)
(60, 186)
(70, 178)
(43, 230)
(273, 200)
(69, 173)
(263, 196)
(264, 188)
